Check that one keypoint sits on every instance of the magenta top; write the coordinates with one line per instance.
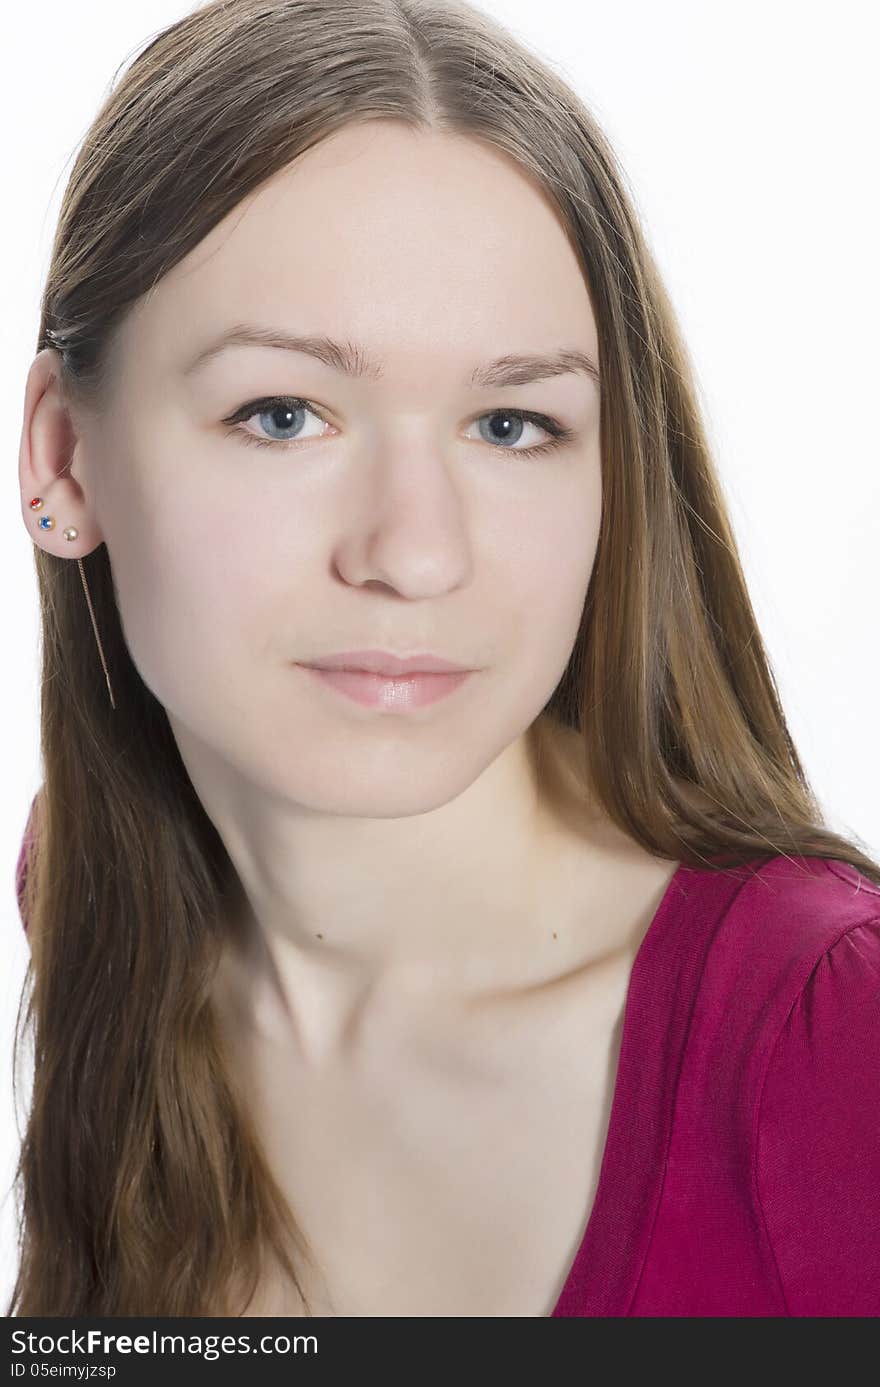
(741, 1170)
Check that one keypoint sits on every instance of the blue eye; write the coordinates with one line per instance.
(520, 418)
(284, 410)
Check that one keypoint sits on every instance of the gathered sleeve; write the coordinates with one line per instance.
(817, 1150)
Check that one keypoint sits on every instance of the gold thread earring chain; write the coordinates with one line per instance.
(47, 522)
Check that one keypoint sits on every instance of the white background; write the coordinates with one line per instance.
(748, 134)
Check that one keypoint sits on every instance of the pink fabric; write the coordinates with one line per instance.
(741, 1172)
(21, 868)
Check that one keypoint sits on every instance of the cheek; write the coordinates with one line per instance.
(190, 559)
(195, 605)
(547, 558)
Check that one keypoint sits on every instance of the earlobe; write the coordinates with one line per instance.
(47, 522)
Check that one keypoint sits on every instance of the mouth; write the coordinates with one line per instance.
(385, 663)
(392, 693)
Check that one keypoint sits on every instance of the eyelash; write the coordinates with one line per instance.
(560, 435)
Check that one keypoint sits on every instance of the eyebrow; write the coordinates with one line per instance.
(352, 361)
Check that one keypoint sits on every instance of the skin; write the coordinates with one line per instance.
(410, 886)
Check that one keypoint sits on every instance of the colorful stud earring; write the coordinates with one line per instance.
(46, 522)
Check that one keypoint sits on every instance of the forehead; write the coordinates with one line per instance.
(419, 243)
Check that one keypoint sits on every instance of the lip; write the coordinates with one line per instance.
(384, 662)
(400, 693)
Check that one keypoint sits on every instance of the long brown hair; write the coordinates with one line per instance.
(143, 1187)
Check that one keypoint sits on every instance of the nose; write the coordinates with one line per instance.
(410, 529)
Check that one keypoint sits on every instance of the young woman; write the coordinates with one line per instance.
(360, 986)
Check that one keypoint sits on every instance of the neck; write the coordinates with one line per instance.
(333, 916)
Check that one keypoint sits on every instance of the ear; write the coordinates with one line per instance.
(51, 451)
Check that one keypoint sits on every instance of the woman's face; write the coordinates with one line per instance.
(402, 514)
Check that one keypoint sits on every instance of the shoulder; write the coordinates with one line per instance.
(765, 928)
(817, 1121)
